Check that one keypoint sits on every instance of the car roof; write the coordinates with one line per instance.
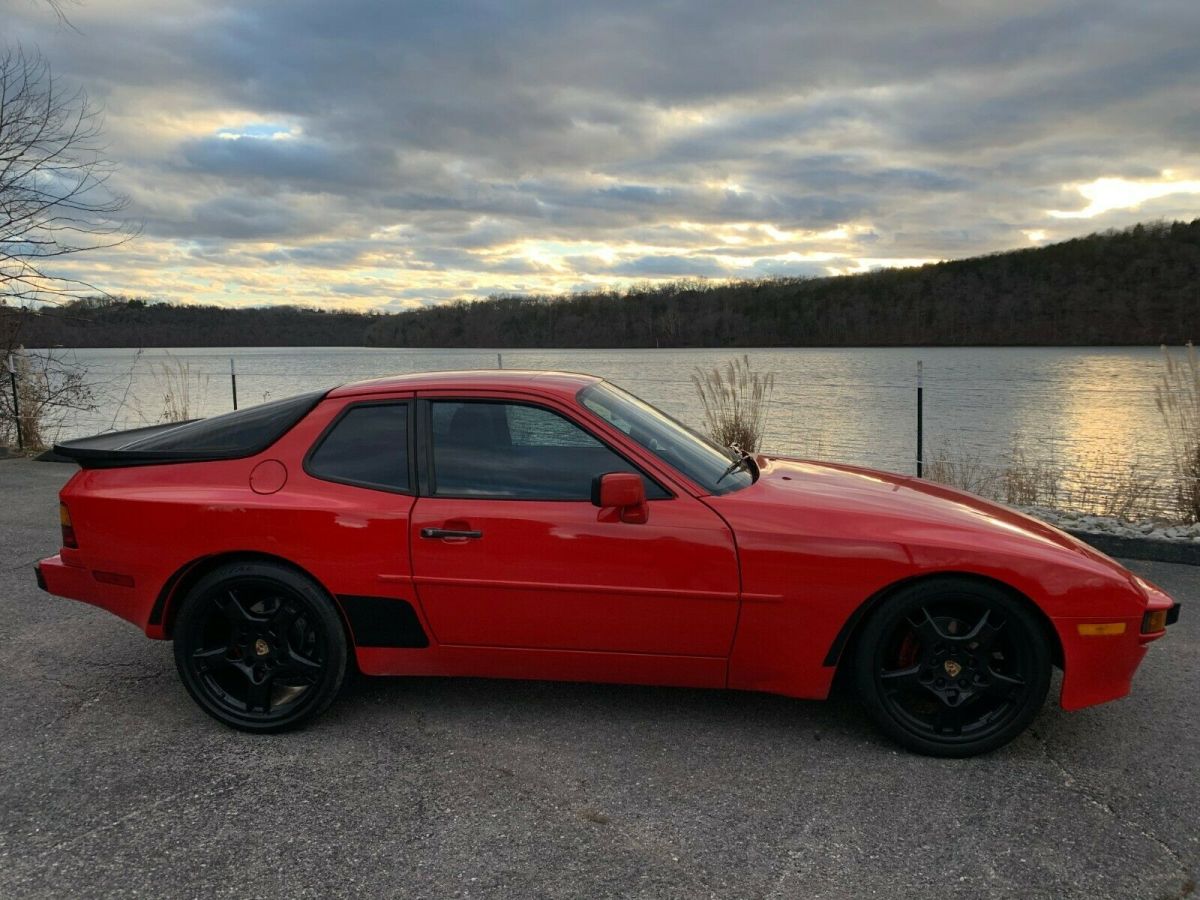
(557, 383)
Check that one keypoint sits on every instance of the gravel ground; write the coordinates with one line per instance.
(113, 783)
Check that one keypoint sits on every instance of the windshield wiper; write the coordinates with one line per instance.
(743, 461)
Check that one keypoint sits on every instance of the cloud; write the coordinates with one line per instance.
(358, 153)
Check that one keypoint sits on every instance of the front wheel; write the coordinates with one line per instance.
(953, 667)
(260, 646)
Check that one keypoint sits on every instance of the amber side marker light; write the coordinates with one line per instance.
(1155, 620)
(113, 578)
(1101, 629)
(68, 531)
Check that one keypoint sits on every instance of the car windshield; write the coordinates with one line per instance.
(700, 459)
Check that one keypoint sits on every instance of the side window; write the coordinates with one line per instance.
(367, 446)
(517, 452)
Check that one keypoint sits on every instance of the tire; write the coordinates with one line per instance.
(953, 667)
(260, 647)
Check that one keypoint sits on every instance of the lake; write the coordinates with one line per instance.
(1087, 410)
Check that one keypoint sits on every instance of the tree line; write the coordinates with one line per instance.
(1140, 285)
(135, 322)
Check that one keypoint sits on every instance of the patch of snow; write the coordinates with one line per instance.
(1150, 528)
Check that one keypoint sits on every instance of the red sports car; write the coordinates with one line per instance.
(552, 526)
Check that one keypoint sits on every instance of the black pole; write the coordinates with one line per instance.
(12, 374)
(233, 381)
(920, 419)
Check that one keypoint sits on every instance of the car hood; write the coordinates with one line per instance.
(904, 508)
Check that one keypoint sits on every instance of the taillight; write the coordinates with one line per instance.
(68, 531)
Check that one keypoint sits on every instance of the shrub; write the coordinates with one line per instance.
(48, 389)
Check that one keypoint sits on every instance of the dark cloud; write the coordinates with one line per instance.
(290, 161)
(428, 137)
(241, 218)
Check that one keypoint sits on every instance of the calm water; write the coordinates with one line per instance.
(1077, 407)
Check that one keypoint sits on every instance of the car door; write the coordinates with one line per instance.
(509, 551)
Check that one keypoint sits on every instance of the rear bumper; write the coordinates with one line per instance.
(78, 583)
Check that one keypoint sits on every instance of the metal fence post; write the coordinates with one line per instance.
(12, 375)
(233, 381)
(920, 419)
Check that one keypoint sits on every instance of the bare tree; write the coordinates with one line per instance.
(55, 202)
(59, 9)
(54, 196)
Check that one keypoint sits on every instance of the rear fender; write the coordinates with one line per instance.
(161, 623)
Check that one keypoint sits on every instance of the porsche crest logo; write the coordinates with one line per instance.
(952, 668)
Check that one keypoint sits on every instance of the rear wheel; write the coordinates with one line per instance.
(953, 667)
(260, 646)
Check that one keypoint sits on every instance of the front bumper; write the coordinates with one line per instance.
(1098, 666)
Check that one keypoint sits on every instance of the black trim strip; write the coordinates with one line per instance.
(424, 446)
(383, 622)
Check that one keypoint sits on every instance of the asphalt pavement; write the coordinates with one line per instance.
(113, 782)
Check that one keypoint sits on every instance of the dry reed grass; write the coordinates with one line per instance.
(736, 400)
(1177, 396)
(1096, 484)
(182, 392)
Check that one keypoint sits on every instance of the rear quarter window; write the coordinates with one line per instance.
(367, 445)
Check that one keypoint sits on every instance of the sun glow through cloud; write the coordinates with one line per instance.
(1107, 194)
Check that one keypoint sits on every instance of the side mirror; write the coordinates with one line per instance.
(624, 492)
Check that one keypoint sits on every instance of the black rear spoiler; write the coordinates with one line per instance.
(110, 448)
(234, 435)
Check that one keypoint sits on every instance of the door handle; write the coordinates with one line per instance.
(434, 534)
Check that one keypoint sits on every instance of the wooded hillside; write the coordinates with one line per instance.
(1137, 286)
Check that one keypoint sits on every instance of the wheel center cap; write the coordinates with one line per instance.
(952, 668)
(261, 647)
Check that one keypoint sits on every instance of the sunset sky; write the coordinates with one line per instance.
(388, 155)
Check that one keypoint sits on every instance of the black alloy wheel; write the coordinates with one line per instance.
(953, 667)
(260, 647)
